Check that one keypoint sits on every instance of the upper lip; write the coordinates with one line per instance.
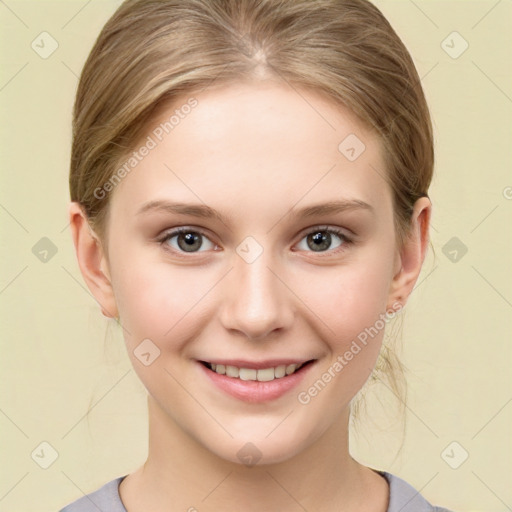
(256, 365)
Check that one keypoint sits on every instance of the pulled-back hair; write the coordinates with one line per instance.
(152, 51)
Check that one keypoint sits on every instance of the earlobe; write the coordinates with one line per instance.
(410, 259)
(92, 260)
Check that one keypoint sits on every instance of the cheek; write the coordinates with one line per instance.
(352, 306)
(348, 298)
(158, 301)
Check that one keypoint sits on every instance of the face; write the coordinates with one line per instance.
(286, 253)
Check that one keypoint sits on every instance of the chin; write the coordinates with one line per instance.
(258, 451)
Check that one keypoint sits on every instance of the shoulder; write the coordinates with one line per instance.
(105, 498)
(403, 497)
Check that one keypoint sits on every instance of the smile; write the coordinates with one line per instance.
(256, 382)
(261, 375)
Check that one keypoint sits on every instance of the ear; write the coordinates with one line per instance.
(92, 260)
(409, 259)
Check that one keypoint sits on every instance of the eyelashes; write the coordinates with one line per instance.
(186, 240)
(325, 238)
(190, 239)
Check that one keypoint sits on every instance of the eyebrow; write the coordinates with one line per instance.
(204, 211)
(332, 207)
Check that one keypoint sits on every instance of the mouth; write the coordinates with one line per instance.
(265, 372)
(256, 382)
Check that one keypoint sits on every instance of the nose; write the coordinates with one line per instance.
(257, 301)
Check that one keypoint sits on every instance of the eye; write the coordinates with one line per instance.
(320, 239)
(324, 239)
(187, 240)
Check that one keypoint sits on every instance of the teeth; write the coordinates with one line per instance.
(290, 369)
(263, 375)
(266, 374)
(246, 374)
(232, 371)
(280, 371)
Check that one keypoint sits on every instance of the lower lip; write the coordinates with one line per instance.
(256, 391)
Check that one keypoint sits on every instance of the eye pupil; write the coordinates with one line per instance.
(321, 240)
(189, 241)
(192, 241)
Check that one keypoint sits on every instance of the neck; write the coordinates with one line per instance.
(181, 474)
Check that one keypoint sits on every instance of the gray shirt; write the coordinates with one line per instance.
(402, 498)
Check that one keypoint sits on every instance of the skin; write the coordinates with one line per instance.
(256, 153)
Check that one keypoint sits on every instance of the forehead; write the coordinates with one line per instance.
(255, 144)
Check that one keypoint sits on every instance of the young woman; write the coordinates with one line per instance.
(249, 185)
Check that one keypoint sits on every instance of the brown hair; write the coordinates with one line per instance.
(151, 51)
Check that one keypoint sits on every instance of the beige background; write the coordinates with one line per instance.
(60, 357)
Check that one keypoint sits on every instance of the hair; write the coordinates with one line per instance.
(151, 52)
